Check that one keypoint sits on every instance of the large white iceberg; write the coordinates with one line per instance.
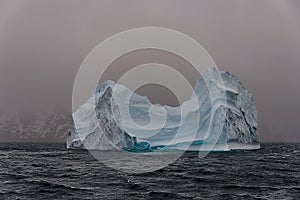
(221, 114)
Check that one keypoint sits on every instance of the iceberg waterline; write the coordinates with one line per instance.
(115, 118)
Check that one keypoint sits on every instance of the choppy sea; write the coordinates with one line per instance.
(50, 171)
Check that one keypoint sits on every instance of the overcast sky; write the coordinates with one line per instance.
(43, 43)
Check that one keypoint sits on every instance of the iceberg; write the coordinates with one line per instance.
(219, 114)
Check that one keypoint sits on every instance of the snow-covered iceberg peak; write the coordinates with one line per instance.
(100, 123)
(102, 129)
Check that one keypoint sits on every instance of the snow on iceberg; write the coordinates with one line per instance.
(115, 118)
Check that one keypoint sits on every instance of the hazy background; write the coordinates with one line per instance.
(42, 44)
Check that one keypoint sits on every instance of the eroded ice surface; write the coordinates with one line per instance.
(220, 112)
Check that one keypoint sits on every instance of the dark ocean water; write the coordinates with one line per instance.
(49, 171)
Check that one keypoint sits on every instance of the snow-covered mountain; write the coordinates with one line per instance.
(221, 113)
(47, 126)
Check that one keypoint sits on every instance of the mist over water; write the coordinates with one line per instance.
(258, 41)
